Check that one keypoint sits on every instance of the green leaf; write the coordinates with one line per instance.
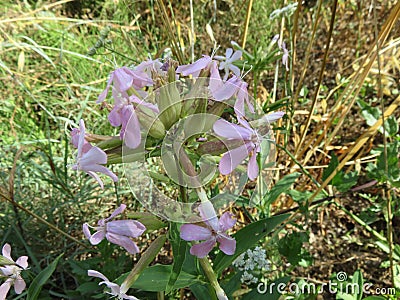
(156, 278)
(375, 298)
(331, 167)
(202, 291)
(282, 186)
(358, 280)
(246, 238)
(291, 246)
(41, 279)
(179, 247)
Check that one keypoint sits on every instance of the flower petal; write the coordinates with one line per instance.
(4, 288)
(104, 93)
(272, 117)
(22, 262)
(229, 130)
(86, 230)
(231, 159)
(201, 250)
(7, 251)
(97, 274)
(132, 135)
(116, 212)
(209, 215)
(123, 241)
(191, 232)
(19, 285)
(252, 168)
(130, 228)
(97, 237)
(226, 244)
(226, 221)
(195, 67)
(94, 156)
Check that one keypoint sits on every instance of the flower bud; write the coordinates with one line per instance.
(169, 103)
(149, 120)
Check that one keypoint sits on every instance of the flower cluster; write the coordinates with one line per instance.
(12, 273)
(251, 262)
(145, 104)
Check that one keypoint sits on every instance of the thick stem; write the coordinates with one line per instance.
(205, 264)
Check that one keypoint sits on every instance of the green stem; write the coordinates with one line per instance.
(205, 264)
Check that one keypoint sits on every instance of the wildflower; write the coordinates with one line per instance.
(250, 147)
(115, 288)
(227, 64)
(285, 56)
(12, 273)
(123, 79)
(125, 109)
(117, 232)
(215, 231)
(252, 262)
(91, 161)
(196, 67)
(224, 90)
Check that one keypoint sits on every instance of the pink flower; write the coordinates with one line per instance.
(224, 90)
(115, 288)
(250, 147)
(196, 67)
(12, 273)
(123, 79)
(124, 109)
(214, 232)
(118, 232)
(90, 159)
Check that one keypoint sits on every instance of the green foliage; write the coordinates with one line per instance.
(37, 284)
(387, 168)
(342, 181)
(291, 246)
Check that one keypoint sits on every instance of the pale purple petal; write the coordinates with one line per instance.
(236, 56)
(119, 210)
(227, 90)
(115, 116)
(252, 168)
(19, 285)
(272, 117)
(130, 228)
(86, 230)
(215, 78)
(81, 140)
(226, 221)
(231, 159)
(94, 273)
(202, 249)
(103, 95)
(22, 262)
(226, 244)
(228, 53)
(96, 177)
(4, 288)
(94, 156)
(97, 237)
(140, 102)
(132, 135)
(123, 79)
(209, 215)
(7, 251)
(195, 67)
(123, 241)
(191, 232)
(104, 170)
(235, 69)
(229, 130)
